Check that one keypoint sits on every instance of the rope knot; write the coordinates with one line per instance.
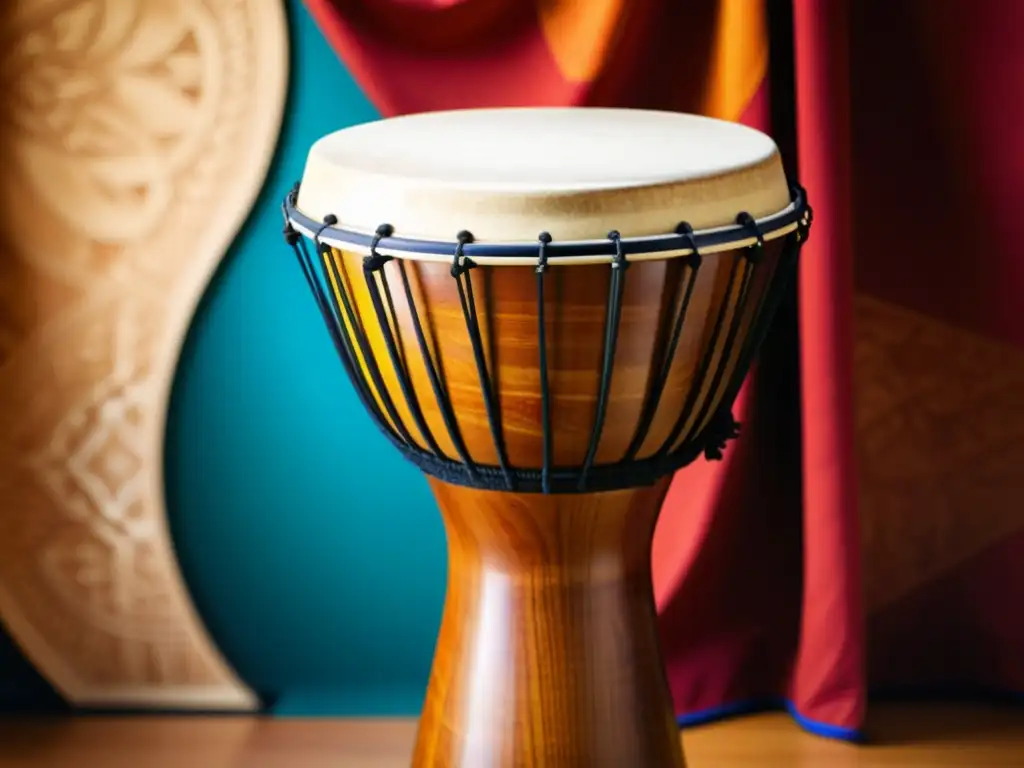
(755, 252)
(462, 264)
(619, 260)
(375, 261)
(685, 230)
(720, 431)
(542, 256)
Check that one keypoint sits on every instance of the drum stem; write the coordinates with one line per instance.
(548, 654)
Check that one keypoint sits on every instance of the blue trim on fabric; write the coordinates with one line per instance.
(752, 706)
(852, 735)
(826, 730)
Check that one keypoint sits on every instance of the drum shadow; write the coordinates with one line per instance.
(34, 743)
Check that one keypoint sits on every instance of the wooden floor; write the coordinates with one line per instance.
(919, 736)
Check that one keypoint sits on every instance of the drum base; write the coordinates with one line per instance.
(548, 653)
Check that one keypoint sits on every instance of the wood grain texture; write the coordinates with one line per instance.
(548, 652)
(931, 736)
(576, 299)
(940, 448)
(136, 136)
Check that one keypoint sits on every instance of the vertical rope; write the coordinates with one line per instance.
(704, 368)
(693, 261)
(613, 315)
(751, 258)
(439, 387)
(331, 314)
(545, 385)
(724, 426)
(387, 318)
(356, 331)
(755, 287)
(460, 271)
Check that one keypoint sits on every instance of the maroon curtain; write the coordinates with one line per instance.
(935, 134)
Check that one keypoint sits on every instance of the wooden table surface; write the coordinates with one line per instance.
(928, 736)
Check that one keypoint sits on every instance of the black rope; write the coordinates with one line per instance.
(750, 258)
(464, 282)
(359, 337)
(708, 240)
(720, 430)
(331, 313)
(755, 252)
(723, 427)
(561, 480)
(707, 409)
(705, 366)
(298, 245)
(387, 318)
(437, 383)
(653, 400)
(545, 386)
(616, 287)
(377, 262)
(336, 323)
(803, 226)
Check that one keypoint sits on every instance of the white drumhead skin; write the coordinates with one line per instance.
(508, 174)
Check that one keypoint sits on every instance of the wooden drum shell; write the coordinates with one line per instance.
(576, 305)
(548, 653)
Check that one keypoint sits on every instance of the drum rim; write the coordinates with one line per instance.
(578, 252)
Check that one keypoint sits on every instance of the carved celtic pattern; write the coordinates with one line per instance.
(940, 438)
(136, 136)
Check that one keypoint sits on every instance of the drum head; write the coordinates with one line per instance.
(507, 174)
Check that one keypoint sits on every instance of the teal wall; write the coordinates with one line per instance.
(314, 553)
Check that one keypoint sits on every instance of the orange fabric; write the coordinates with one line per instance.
(739, 58)
(579, 33)
(416, 56)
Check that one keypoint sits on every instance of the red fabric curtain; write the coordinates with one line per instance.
(867, 531)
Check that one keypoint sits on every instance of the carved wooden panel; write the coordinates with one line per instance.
(135, 137)
(940, 437)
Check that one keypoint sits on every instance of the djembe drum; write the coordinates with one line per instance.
(548, 311)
